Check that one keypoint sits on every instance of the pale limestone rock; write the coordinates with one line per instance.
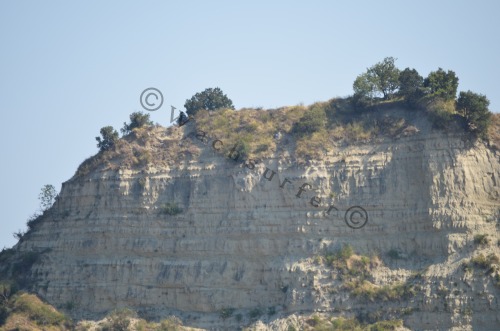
(243, 242)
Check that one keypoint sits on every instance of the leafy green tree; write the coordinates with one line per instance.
(364, 86)
(442, 84)
(209, 99)
(109, 138)
(474, 108)
(385, 76)
(47, 197)
(137, 120)
(380, 79)
(410, 85)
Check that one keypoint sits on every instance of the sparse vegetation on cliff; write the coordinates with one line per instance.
(436, 94)
(385, 113)
(170, 208)
(27, 312)
(355, 272)
(137, 120)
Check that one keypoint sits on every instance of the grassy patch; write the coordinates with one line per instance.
(29, 311)
(142, 147)
(355, 271)
(485, 262)
(368, 291)
(490, 264)
(248, 132)
(350, 265)
(313, 120)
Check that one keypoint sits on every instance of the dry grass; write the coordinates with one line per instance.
(142, 148)
(28, 312)
(252, 132)
(254, 129)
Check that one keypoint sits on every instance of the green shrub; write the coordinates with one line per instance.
(368, 291)
(342, 254)
(350, 266)
(440, 111)
(313, 120)
(481, 239)
(314, 321)
(33, 220)
(137, 120)
(240, 150)
(119, 320)
(170, 209)
(485, 262)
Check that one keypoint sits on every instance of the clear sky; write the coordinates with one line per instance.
(68, 68)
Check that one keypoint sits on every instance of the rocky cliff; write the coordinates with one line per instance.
(206, 234)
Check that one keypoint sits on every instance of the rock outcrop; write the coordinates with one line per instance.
(247, 238)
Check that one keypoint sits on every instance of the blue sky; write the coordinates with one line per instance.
(69, 68)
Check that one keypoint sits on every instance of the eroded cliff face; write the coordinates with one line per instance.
(243, 241)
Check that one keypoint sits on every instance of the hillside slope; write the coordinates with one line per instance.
(169, 223)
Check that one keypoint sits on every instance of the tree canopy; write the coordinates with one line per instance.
(109, 138)
(380, 79)
(209, 99)
(410, 85)
(442, 84)
(47, 197)
(474, 108)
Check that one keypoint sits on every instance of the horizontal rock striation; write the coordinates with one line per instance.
(241, 239)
